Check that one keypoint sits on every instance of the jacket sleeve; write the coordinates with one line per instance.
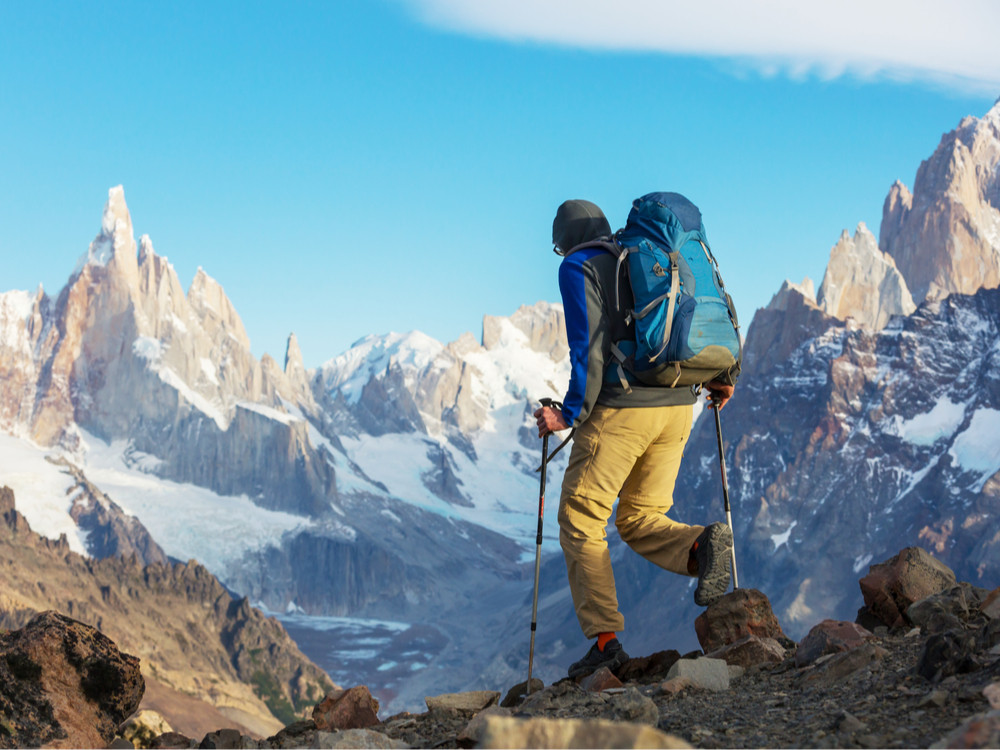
(586, 331)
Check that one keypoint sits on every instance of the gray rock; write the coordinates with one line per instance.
(709, 674)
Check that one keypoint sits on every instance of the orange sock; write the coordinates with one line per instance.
(602, 640)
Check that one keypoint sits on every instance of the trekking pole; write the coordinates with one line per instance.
(716, 403)
(538, 547)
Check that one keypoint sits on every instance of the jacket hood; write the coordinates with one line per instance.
(576, 222)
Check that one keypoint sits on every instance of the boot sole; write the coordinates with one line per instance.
(718, 555)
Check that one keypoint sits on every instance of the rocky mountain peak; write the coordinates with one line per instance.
(863, 282)
(218, 316)
(790, 293)
(945, 237)
(542, 323)
(114, 246)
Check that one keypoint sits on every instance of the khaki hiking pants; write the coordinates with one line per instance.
(633, 455)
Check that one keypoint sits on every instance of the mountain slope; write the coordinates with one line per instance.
(192, 636)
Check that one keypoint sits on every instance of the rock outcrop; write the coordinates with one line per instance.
(191, 634)
(64, 684)
(863, 283)
(945, 236)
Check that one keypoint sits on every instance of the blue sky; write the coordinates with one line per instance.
(346, 168)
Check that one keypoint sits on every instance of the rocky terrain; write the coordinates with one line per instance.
(202, 650)
(926, 675)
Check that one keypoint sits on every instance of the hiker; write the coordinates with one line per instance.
(628, 444)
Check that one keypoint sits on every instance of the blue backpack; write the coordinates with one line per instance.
(686, 330)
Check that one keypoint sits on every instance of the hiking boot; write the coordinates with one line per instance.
(713, 553)
(613, 656)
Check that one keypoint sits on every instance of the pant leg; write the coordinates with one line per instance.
(647, 495)
(605, 449)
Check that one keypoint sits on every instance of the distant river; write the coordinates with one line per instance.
(380, 654)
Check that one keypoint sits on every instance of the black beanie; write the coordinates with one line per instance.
(576, 222)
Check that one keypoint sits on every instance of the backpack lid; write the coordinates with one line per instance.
(669, 219)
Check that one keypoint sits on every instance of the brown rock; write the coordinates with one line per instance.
(600, 680)
(749, 651)
(346, 709)
(64, 684)
(892, 586)
(648, 668)
(830, 637)
(736, 615)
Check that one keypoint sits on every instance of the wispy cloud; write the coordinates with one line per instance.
(951, 44)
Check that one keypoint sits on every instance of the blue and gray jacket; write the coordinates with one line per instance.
(587, 280)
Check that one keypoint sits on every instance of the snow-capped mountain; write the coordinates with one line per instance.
(397, 480)
(860, 424)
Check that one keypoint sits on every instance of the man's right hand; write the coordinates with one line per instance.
(549, 420)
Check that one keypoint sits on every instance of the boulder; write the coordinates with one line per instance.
(475, 700)
(64, 684)
(648, 668)
(600, 680)
(506, 732)
(144, 727)
(892, 586)
(749, 651)
(830, 637)
(346, 709)
(736, 615)
(709, 674)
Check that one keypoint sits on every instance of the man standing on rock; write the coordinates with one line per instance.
(628, 446)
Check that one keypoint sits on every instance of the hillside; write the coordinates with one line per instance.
(206, 655)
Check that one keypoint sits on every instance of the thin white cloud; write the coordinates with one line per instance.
(954, 43)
